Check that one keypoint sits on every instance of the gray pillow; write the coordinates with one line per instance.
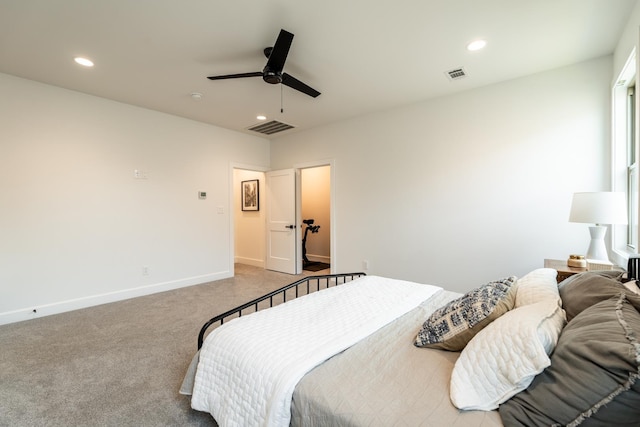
(451, 327)
(583, 290)
(594, 375)
(611, 274)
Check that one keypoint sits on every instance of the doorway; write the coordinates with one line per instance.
(314, 200)
(248, 225)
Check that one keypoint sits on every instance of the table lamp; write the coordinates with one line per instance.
(605, 207)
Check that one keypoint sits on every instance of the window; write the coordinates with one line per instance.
(625, 158)
(632, 172)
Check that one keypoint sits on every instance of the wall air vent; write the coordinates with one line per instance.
(456, 74)
(271, 127)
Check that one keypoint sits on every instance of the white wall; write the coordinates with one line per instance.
(628, 41)
(250, 226)
(466, 188)
(316, 204)
(76, 228)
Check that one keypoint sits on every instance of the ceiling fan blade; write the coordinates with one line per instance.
(236, 76)
(280, 51)
(292, 82)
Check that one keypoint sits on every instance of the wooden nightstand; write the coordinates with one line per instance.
(562, 268)
(565, 271)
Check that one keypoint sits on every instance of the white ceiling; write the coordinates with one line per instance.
(363, 55)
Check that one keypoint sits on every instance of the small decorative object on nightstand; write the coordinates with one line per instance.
(593, 265)
(577, 261)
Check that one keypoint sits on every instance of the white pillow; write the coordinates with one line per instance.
(631, 285)
(538, 285)
(503, 358)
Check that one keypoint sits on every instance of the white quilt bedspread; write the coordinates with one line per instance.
(249, 367)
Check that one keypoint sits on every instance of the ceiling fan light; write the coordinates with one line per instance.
(476, 45)
(83, 61)
(272, 77)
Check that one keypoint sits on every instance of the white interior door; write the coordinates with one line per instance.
(282, 227)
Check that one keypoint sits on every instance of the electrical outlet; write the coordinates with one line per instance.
(365, 264)
(145, 270)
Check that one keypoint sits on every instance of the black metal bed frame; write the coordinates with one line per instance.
(326, 280)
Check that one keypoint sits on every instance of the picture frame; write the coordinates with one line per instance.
(250, 195)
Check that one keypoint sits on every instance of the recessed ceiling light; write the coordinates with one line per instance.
(261, 117)
(476, 45)
(83, 61)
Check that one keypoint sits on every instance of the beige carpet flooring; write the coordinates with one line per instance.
(118, 364)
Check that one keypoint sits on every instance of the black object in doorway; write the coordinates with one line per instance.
(316, 266)
(306, 264)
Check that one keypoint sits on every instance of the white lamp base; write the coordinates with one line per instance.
(597, 249)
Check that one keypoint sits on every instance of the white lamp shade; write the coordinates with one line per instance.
(605, 207)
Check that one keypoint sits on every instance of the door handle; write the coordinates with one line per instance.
(290, 226)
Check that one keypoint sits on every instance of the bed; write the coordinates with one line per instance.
(506, 353)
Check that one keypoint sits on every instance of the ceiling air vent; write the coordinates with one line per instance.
(271, 127)
(456, 74)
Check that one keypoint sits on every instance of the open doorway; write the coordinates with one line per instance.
(315, 205)
(249, 224)
(313, 201)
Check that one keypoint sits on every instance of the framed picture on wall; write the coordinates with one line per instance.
(250, 197)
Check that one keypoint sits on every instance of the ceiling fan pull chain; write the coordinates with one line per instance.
(281, 101)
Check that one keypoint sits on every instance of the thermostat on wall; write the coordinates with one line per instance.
(202, 194)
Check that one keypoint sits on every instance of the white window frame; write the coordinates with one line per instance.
(624, 159)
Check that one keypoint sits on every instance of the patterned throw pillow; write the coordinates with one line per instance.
(452, 326)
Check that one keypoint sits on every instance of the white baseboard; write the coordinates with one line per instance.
(93, 300)
(250, 261)
(319, 258)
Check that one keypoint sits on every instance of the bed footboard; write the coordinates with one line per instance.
(305, 285)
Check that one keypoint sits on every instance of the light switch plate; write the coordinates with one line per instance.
(140, 174)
